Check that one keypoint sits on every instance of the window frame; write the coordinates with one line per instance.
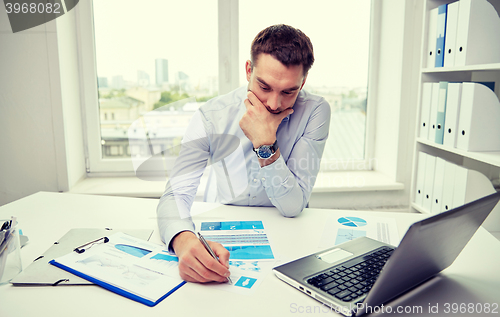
(228, 80)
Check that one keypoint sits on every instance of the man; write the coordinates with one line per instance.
(264, 143)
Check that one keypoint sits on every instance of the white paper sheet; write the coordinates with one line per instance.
(345, 228)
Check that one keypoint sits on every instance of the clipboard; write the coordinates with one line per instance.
(41, 273)
(128, 266)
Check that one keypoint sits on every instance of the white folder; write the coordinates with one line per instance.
(430, 163)
(452, 114)
(470, 185)
(441, 111)
(478, 124)
(448, 186)
(419, 190)
(434, 110)
(431, 38)
(437, 189)
(460, 189)
(478, 29)
(425, 110)
(451, 34)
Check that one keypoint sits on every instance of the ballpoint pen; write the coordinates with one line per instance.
(209, 249)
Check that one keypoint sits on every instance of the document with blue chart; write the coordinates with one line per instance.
(250, 254)
(131, 267)
(346, 227)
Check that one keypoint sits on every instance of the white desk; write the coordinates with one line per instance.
(45, 217)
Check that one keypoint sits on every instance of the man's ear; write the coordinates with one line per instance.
(303, 82)
(248, 69)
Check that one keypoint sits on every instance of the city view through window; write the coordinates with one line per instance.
(157, 63)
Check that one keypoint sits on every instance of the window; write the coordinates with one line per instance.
(157, 62)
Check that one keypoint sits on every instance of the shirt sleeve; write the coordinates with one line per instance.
(173, 210)
(289, 184)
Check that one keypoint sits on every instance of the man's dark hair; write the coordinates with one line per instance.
(287, 44)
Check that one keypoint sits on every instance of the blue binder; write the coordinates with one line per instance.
(441, 35)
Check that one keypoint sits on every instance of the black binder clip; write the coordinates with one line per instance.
(86, 246)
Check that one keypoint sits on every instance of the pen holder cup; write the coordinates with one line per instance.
(10, 256)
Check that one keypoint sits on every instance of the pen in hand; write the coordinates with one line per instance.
(209, 249)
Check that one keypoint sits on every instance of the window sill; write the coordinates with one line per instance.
(124, 186)
(345, 181)
(354, 181)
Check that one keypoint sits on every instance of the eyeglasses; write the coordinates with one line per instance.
(89, 245)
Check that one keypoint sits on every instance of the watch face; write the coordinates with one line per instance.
(264, 152)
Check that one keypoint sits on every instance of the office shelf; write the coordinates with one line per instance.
(468, 68)
(419, 209)
(491, 158)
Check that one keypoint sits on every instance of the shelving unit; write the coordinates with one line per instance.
(488, 163)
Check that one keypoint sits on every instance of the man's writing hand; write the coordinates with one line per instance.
(196, 264)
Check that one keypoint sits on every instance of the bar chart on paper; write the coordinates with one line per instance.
(250, 252)
(254, 239)
(245, 240)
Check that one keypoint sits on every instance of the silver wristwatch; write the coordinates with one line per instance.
(266, 151)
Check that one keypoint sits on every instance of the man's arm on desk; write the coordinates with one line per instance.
(176, 230)
(195, 263)
(174, 217)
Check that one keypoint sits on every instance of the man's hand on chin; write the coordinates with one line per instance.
(258, 124)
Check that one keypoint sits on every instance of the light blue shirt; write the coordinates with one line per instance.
(215, 138)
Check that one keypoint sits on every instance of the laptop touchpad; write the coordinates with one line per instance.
(334, 255)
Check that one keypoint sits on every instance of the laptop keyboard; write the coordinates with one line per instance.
(354, 278)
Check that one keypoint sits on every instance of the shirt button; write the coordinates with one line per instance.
(255, 180)
(263, 179)
(254, 197)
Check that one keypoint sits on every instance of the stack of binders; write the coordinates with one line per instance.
(460, 31)
(457, 117)
(442, 185)
(461, 115)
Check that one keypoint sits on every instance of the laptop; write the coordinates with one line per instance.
(367, 273)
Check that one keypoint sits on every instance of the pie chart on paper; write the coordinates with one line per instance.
(352, 221)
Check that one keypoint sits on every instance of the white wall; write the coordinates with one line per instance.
(33, 143)
(71, 97)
